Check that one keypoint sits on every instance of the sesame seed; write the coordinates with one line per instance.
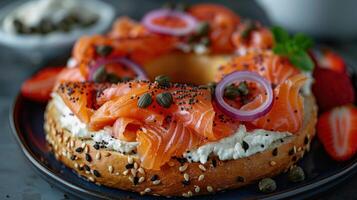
(183, 168)
(141, 170)
(79, 150)
(86, 167)
(299, 149)
(135, 165)
(83, 145)
(129, 166)
(240, 179)
(131, 179)
(76, 165)
(98, 156)
(73, 157)
(154, 177)
(126, 172)
(197, 188)
(141, 179)
(203, 168)
(96, 173)
(147, 190)
(275, 152)
(272, 163)
(107, 154)
(133, 172)
(88, 158)
(157, 182)
(185, 195)
(86, 149)
(116, 173)
(91, 179)
(189, 193)
(87, 172)
(130, 160)
(186, 177)
(201, 177)
(209, 189)
(110, 169)
(64, 153)
(72, 143)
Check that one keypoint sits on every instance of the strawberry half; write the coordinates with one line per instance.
(39, 86)
(337, 130)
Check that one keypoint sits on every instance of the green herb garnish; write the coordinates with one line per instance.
(294, 48)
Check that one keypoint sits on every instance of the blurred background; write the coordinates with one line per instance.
(330, 22)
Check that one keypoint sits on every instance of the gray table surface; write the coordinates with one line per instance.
(17, 178)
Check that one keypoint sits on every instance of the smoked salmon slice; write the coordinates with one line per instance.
(157, 145)
(272, 67)
(80, 97)
(287, 111)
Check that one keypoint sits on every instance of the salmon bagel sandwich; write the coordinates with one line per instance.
(185, 102)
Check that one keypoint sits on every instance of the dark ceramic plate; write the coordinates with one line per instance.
(27, 124)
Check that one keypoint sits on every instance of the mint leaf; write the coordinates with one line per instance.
(303, 41)
(301, 60)
(280, 35)
(281, 49)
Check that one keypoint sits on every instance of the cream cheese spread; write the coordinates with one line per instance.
(239, 145)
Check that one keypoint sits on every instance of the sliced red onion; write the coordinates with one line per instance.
(239, 114)
(191, 22)
(141, 75)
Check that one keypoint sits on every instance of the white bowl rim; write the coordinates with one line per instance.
(105, 12)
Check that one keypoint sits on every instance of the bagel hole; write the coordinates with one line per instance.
(186, 68)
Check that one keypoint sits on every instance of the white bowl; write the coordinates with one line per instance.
(57, 42)
(331, 19)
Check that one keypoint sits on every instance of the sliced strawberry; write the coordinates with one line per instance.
(39, 86)
(332, 89)
(337, 130)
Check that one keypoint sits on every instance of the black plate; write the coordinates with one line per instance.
(27, 124)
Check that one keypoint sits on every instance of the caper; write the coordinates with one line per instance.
(231, 92)
(112, 78)
(163, 80)
(103, 50)
(164, 99)
(267, 185)
(243, 88)
(296, 174)
(100, 75)
(144, 101)
(202, 28)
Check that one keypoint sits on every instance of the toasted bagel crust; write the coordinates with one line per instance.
(111, 168)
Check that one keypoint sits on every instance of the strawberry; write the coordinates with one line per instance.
(39, 86)
(328, 59)
(332, 89)
(337, 130)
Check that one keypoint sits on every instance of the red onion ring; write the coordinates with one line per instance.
(191, 22)
(141, 75)
(241, 114)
